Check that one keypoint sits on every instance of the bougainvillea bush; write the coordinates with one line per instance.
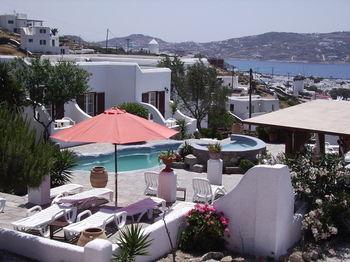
(205, 229)
(324, 184)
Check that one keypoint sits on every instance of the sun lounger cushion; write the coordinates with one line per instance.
(68, 188)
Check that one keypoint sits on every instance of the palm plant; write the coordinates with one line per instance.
(132, 242)
(64, 161)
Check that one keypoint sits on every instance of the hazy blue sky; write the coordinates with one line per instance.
(182, 20)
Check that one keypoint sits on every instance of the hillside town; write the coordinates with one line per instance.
(138, 149)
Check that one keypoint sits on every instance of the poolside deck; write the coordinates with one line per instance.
(130, 189)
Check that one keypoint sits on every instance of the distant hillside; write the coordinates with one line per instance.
(327, 47)
(10, 43)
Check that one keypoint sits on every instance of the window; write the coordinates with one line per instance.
(30, 40)
(153, 98)
(232, 107)
(10, 22)
(42, 42)
(42, 31)
(90, 104)
(53, 42)
(273, 107)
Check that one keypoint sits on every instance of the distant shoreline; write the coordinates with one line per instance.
(289, 61)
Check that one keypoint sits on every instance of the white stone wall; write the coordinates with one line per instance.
(261, 212)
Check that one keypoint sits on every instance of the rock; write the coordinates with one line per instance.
(226, 259)
(331, 252)
(314, 255)
(178, 165)
(191, 160)
(307, 256)
(197, 168)
(212, 255)
(296, 257)
(238, 259)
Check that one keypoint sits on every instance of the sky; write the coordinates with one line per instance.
(185, 20)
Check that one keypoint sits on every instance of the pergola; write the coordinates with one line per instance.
(318, 116)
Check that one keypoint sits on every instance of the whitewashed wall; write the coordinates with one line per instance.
(261, 212)
(47, 250)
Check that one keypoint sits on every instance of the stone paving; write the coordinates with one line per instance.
(131, 186)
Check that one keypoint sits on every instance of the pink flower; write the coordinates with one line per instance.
(224, 221)
(226, 231)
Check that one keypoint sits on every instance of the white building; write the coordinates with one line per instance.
(13, 22)
(113, 83)
(230, 81)
(239, 105)
(298, 85)
(153, 47)
(41, 39)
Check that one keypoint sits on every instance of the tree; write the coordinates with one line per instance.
(23, 160)
(135, 109)
(202, 92)
(177, 72)
(48, 85)
(12, 94)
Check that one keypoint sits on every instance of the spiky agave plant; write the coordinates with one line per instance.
(132, 242)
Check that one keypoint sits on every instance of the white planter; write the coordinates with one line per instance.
(167, 186)
(214, 171)
(40, 195)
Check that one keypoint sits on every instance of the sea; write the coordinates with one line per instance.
(333, 71)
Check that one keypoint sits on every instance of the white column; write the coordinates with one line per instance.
(214, 171)
(167, 186)
(41, 194)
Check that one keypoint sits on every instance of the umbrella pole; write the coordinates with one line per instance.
(116, 174)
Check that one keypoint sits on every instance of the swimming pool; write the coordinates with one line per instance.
(129, 158)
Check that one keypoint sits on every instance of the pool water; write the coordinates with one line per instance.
(128, 160)
(239, 143)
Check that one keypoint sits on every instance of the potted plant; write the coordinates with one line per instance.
(214, 150)
(168, 157)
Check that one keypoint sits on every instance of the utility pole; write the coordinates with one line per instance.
(232, 74)
(250, 94)
(107, 41)
(250, 91)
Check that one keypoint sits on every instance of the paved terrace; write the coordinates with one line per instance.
(130, 189)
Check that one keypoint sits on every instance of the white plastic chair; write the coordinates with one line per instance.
(151, 180)
(99, 219)
(203, 191)
(2, 204)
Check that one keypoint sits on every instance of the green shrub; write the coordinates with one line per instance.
(185, 149)
(182, 128)
(23, 160)
(210, 133)
(64, 161)
(135, 109)
(205, 230)
(246, 164)
(324, 185)
(132, 242)
(214, 148)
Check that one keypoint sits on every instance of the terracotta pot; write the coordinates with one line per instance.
(214, 155)
(90, 234)
(237, 128)
(168, 162)
(98, 177)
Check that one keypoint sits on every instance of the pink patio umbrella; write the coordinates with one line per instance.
(115, 126)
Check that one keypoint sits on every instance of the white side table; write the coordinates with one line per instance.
(214, 171)
(167, 183)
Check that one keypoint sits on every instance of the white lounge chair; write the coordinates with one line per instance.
(66, 207)
(40, 221)
(2, 204)
(151, 180)
(68, 189)
(144, 206)
(203, 191)
(99, 219)
(86, 196)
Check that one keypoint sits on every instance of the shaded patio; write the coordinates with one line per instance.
(298, 122)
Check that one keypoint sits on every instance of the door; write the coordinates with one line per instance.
(161, 102)
(145, 97)
(100, 100)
